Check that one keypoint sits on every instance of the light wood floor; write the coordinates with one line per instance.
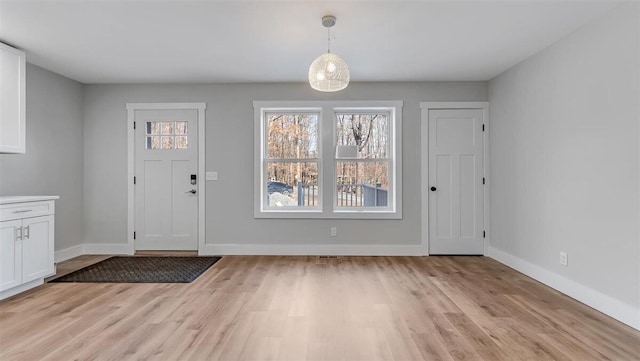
(305, 308)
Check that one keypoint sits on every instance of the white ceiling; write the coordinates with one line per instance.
(120, 41)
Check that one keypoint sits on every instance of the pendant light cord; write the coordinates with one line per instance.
(328, 39)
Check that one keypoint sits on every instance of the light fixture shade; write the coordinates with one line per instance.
(329, 73)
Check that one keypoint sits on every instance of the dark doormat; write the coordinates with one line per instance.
(142, 270)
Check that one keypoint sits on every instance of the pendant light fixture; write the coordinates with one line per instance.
(329, 72)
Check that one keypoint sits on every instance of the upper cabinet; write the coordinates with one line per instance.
(12, 100)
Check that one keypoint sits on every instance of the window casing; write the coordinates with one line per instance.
(332, 159)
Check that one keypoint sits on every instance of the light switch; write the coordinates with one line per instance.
(212, 176)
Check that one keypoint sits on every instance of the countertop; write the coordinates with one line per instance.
(21, 199)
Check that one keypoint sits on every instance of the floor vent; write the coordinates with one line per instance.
(327, 259)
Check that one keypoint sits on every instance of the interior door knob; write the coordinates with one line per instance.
(433, 189)
(193, 191)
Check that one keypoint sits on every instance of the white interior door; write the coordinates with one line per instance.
(456, 197)
(166, 167)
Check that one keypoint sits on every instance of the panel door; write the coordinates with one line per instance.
(456, 197)
(37, 248)
(166, 201)
(10, 254)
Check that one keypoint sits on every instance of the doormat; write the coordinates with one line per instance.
(142, 269)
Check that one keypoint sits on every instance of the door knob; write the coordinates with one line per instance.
(193, 191)
(433, 189)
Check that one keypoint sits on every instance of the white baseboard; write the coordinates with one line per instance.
(258, 249)
(23, 287)
(315, 250)
(91, 248)
(107, 248)
(68, 253)
(612, 307)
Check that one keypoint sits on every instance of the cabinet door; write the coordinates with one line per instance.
(12, 100)
(37, 248)
(10, 255)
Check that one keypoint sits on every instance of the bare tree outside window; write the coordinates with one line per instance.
(369, 132)
(292, 152)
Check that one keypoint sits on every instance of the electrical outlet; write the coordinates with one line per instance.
(334, 231)
(564, 259)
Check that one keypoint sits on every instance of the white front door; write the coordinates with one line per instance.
(456, 198)
(166, 184)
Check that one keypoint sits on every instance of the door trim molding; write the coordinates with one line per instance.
(131, 108)
(424, 155)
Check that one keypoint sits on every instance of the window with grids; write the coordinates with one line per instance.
(328, 159)
(363, 161)
(166, 135)
(290, 168)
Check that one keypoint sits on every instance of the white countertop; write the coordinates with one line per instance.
(21, 199)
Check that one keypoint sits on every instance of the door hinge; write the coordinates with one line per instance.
(483, 180)
(134, 235)
(134, 180)
(484, 234)
(134, 126)
(482, 127)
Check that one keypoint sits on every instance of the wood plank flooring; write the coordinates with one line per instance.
(309, 308)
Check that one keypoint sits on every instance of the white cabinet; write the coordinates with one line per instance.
(10, 255)
(12, 100)
(26, 243)
(37, 248)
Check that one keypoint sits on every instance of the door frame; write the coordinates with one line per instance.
(131, 108)
(424, 149)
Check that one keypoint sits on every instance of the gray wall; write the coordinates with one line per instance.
(54, 162)
(229, 151)
(565, 157)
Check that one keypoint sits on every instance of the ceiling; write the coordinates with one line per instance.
(120, 41)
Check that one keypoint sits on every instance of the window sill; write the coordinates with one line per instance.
(316, 214)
